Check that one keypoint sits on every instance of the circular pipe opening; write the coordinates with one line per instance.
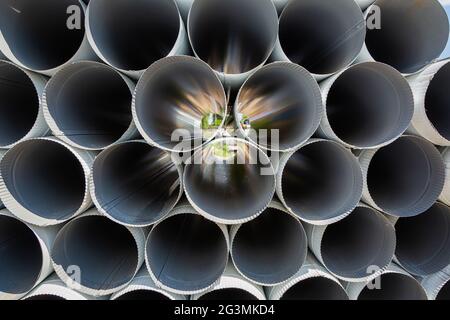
(412, 33)
(268, 257)
(406, 177)
(322, 36)
(105, 252)
(89, 104)
(179, 99)
(135, 184)
(233, 36)
(143, 295)
(186, 253)
(228, 294)
(229, 181)
(37, 33)
(444, 293)
(369, 104)
(152, 28)
(19, 105)
(20, 256)
(437, 100)
(45, 178)
(315, 288)
(282, 97)
(45, 297)
(322, 181)
(352, 247)
(395, 286)
(420, 251)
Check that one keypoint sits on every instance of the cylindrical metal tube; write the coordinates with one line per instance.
(135, 184)
(403, 179)
(437, 285)
(431, 115)
(244, 35)
(408, 35)
(178, 103)
(21, 108)
(393, 284)
(321, 35)
(321, 182)
(279, 107)
(43, 35)
(185, 253)
(25, 255)
(143, 288)
(232, 286)
(88, 105)
(353, 248)
(423, 242)
(96, 256)
(312, 282)
(445, 195)
(369, 105)
(131, 35)
(45, 182)
(229, 181)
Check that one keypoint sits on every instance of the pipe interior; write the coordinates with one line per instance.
(176, 94)
(420, 251)
(269, 257)
(143, 295)
(315, 288)
(281, 97)
(412, 34)
(444, 293)
(19, 105)
(213, 182)
(228, 294)
(91, 104)
(136, 183)
(20, 256)
(322, 36)
(152, 28)
(321, 181)
(406, 177)
(186, 252)
(37, 32)
(45, 297)
(352, 246)
(87, 242)
(369, 104)
(45, 178)
(233, 36)
(394, 286)
(437, 100)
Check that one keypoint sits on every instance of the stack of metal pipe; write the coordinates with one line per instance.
(231, 150)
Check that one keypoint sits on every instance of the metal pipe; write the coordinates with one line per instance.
(179, 103)
(321, 182)
(322, 36)
(185, 253)
(44, 35)
(312, 282)
(22, 114)
(229, 181)
(88, 105)
(96, 256)
(131, 35)
(431, 115)
(403, 179)
(437, 285)
(25, 255)
(281, 97)
(393, 284)
(358, 248)
(445, 195)
(369, 105)
(45, 182)
(244, 35)
(265, 257)
(232, 286)
(408, 35)
(143, 288)
(135, 184)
